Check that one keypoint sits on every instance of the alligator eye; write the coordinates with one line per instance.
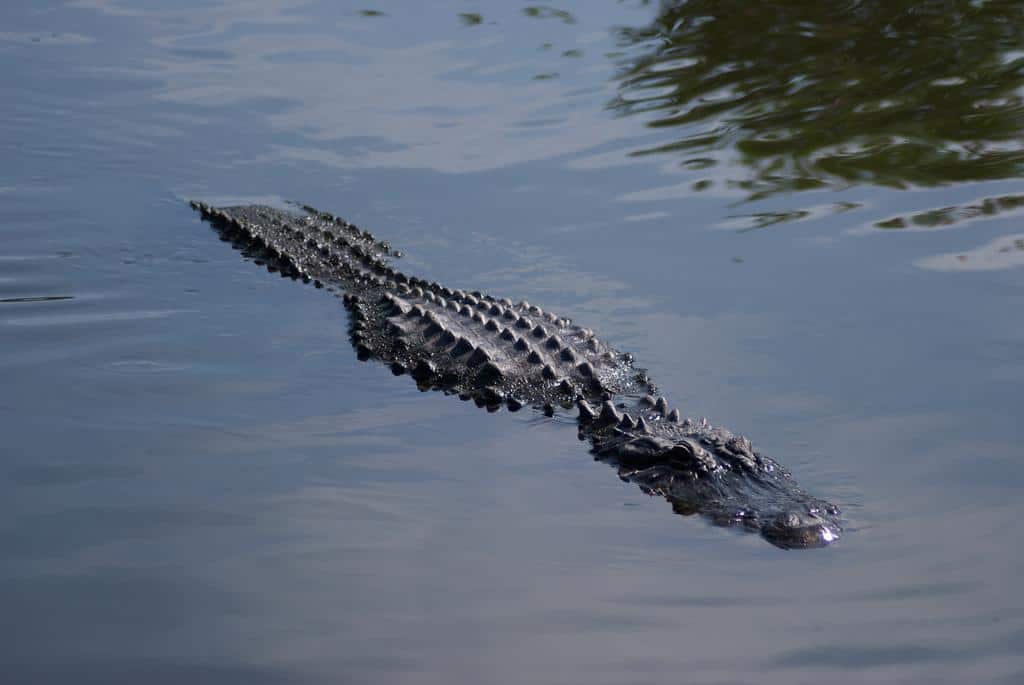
(643, 451)
(682, 449)
(690, 454)
(681, 456)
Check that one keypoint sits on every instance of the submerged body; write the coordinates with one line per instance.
(501, 353)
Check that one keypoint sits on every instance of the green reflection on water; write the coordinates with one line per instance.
(822, 94)
(946, 216)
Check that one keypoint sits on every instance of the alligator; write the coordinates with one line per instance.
(513, 355)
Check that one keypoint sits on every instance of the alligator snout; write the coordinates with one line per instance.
(795, 529)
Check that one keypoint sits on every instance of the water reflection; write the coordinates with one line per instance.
(814, 94)
(1002, 253)
(947, 216)
(538, 12)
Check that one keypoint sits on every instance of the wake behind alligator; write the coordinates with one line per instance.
(515, 355)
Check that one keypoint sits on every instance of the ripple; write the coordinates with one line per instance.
(1005, 252)
(38, 298)
(55, 534)
(94, 318)
(834, 105)
(985, 208)
(70, 474)
(46, 38)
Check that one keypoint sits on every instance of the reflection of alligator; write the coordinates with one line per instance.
(499, 353)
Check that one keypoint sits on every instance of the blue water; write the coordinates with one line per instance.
(200, 483)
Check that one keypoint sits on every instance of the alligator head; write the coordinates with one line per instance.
(707, 470)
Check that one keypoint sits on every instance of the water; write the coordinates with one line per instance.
(806, 222)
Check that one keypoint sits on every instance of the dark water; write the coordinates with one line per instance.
(803, 218)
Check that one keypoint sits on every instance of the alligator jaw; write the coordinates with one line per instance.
(502, 354)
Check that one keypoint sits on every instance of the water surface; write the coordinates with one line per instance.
(803, 218)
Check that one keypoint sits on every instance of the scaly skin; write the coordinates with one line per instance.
(503, 354)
